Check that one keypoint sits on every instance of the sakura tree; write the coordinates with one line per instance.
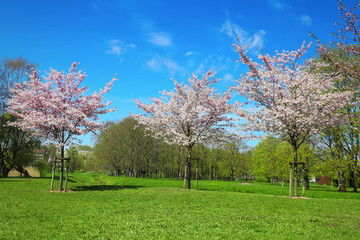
(343, 56)
(57, 109)
(188, 115)
(292, 100)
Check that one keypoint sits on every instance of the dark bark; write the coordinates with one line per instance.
(61, 168)
(290, 180)
(185, 173)
(306, 177)
(342, 181)
(67, 174)
(53, 175)
(196, 174)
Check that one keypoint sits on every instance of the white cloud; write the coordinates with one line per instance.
(189, 53)
(216, 62)
(253, 41)
(160, 39)
(159, 64)
(118, 48)
(276, 4)
(305, 19)
(229, 78)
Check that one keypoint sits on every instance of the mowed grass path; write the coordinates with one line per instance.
(103, 207)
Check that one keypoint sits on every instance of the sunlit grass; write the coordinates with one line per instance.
(103, 207)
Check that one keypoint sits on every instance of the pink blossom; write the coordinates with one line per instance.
(56, 108)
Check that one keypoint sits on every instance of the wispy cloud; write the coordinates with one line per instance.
(118, 48)
(160, 39)
(160, 64)
(216, 62)
(253, 41)
(229, 78)
(189, 53)
(276, 4)
(305, 19)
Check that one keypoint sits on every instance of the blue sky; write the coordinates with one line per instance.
(149, 42)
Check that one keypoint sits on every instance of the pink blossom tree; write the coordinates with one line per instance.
(343, 57)
(292, 100)
(188, 115)
(57, 109)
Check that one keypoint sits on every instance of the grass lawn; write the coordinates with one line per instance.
(102, 207)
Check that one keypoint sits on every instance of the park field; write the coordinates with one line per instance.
(103, 207)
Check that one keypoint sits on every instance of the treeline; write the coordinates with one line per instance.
(125, 148)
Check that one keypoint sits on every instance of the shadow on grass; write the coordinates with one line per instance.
(19, 179)
(104, 187)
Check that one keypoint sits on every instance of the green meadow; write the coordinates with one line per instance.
(103, 207)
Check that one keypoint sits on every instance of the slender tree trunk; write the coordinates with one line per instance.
(53, 175)
(290, 181)
(353, 177)
(61, 168)
(189, 172)
(196, 174)
(216, 172)
(342, 181)
(306, 174)
(185, 173)
(304, 182)
(67, 173)
(296, 183)
(354, 182)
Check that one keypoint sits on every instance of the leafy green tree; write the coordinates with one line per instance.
(12, 70)
(124, 147)
(17, 149)
(236, 159)
(265, 159)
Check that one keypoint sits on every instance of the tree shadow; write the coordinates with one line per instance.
(104, 187)
(56, 178)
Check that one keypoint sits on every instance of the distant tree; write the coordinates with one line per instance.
(57, 108)
(12, 70)
(76, 161)
(84, 148)
(294, 101)
(265, 159)
(188, 115)
(236, 160)
(125, 147)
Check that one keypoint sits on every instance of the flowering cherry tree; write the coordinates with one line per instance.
(343, 57)
(188, 115)
(293, 101)
(57, 108)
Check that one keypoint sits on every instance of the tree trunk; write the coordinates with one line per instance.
(355, 183)
(4, 171)
(196, 174)
(53, 175)
(67, 173)
(306, 174)
(189, 173)
(290, 180)
(304, 182)
(352, 181)
(61, 168)
(342, 181)
(185, 173)
(296, 183)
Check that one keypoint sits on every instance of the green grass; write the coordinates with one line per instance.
(103, 207)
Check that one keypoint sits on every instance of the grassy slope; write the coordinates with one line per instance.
(126, 208)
